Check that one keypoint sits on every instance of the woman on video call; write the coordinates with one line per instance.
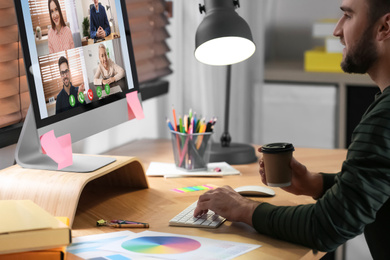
(59, 36)
(107, 71)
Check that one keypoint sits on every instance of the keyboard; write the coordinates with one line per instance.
(186, 219)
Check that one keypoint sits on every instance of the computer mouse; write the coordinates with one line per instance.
(255, 191)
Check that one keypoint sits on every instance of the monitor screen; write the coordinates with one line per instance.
(80, 63)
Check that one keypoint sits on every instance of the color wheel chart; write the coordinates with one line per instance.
(161, 245)
(152, 245)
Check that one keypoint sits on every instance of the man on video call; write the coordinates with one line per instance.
(99, 25)
(69, 95)
(355, 200)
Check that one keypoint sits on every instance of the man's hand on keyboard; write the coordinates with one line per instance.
(227, 203)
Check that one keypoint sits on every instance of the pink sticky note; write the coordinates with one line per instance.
(134, 107)
(59, 149)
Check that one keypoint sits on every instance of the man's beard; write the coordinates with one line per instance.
(361, 57)
(66, 85)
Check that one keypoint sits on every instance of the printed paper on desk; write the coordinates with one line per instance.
(175, 246)
(88, 247)
(170, 170)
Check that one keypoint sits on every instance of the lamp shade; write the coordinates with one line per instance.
(223, 37)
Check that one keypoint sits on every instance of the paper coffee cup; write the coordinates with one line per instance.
(277, 158)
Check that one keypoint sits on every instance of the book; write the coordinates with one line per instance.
(50, 254)
(333, 45)
(318, 60)
(27, 227)
(324, 28)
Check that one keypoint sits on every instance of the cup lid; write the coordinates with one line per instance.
(277, 148)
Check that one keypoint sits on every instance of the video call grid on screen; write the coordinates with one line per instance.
(83, 58)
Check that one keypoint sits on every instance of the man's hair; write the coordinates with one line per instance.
(62, 22)
(377, 8)
(62, 60)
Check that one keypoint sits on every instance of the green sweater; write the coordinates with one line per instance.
(355, 200)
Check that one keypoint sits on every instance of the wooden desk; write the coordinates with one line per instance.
(107, 38)
(158, 204)
(120, 85)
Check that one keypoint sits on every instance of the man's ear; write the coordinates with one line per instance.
(384, 28)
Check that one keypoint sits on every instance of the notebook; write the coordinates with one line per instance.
(24, 226)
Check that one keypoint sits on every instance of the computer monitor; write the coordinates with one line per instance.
(78, 83)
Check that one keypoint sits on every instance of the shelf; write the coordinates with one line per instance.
(153, 89)
(292, 71)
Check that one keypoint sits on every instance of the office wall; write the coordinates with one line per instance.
(304, 115)
(7, 156)
(289, 26)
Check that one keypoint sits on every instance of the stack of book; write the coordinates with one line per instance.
(29, 232)
(326, 58)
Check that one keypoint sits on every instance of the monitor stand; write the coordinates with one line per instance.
(29, 154)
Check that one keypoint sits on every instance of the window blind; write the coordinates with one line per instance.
(148, 21)
(14, 95)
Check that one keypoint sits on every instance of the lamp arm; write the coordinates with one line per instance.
(225, 138)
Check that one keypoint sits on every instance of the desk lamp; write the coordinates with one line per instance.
(224, 38)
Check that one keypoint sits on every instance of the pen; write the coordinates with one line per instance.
(125, 222)
(200, 139)
(208, 127)
(181, 125)
(184, 151)
(185, 123)
(174, 118)
(138, 225)
(195, 121)
(169, 124)
(192, 126)
(200, 122)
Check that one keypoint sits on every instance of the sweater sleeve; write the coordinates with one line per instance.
(328, 180)
(92, 25)
(118, 71)
(352, 202)
(97, 80)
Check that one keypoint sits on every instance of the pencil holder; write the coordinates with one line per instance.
(191, 151)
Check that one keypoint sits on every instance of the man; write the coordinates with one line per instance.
(69, 95)
(99, 25)
(355, 200)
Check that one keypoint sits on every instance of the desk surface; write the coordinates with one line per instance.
(121, 84)
(107, 38)
(158, 204)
